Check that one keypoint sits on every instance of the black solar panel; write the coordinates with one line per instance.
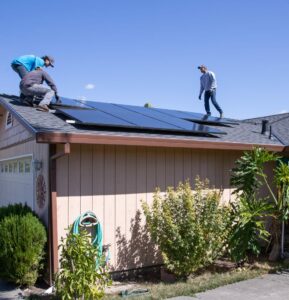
(129, 116)
(69, 103)
(196, 117)
(101, 118)
(93, 117)
(172, 120)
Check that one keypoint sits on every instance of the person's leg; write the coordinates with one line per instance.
(207, 103)
(215, 103)
(40, 91)
(20, 70)
(47, 97)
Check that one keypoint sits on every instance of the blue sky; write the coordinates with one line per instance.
(137, 51)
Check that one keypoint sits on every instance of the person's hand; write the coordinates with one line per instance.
(200, 97)
(58, 100)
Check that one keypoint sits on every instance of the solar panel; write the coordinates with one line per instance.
(196, 117)
(93, 117)
(97, 117)
(179, 123)
(140, 120)
(69, 103)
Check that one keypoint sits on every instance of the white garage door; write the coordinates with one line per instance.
(16, 181)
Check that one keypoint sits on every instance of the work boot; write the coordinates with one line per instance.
(43, 107)
(28, 101)
(22, 97)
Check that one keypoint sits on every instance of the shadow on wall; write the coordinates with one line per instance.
(137, 250)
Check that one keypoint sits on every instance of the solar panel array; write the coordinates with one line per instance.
(100, 114)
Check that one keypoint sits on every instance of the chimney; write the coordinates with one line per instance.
(264, 126)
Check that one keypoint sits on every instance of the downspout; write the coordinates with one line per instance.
(53, 234)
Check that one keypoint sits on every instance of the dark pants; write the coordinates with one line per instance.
(212, 95)
(20, 70)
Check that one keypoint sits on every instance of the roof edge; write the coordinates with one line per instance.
(17, 116)
(61, 138)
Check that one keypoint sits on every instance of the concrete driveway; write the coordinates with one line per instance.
(9, 291)
(268, 287)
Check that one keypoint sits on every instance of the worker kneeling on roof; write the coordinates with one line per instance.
(32, 85)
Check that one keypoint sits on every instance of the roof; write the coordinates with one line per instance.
(52, 128)
(279, 125)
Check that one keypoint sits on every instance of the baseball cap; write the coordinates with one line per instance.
(51, 60)
(202, 66)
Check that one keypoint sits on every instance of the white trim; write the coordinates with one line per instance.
(17, 157)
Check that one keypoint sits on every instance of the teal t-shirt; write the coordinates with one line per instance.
(30, 62)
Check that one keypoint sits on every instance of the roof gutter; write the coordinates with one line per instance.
(55, 138)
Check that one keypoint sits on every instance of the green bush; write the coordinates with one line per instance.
(15, 209)
(248, 228)
(22, 241)
(80, 277)
(190, 227)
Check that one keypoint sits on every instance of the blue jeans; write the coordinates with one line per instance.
(212, 95)
(20, 70)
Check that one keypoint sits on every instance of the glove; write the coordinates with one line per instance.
(58, 100)
(200, 97)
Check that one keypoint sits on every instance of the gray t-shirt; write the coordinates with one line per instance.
(37, 77)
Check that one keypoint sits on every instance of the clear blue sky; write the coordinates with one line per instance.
(147, 51)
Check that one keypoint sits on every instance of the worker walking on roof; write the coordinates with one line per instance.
(27, 63)
(209, 85)
(32, 85)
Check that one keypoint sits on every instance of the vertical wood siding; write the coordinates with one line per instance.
(113, 180)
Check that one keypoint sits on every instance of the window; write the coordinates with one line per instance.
(21, 167)
(27, 166)
(15, 167)
(9, 120)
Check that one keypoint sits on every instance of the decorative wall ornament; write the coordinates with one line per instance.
(40, 191)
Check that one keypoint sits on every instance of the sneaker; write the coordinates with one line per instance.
(43, 107)
(221, 115)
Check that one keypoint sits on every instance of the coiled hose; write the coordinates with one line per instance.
(89, 219)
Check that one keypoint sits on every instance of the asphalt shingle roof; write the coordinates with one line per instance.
(244, 132)
(279, 124)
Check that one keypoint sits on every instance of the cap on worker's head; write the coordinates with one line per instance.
(50, 58)
(202, 67)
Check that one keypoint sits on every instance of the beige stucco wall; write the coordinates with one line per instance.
(112, 180)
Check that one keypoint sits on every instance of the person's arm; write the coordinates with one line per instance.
(212, 80)
(201, 89)
(49, 81)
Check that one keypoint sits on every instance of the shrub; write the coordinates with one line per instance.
(80, 277)
(15, 209)
(22, 241)
(190, 227)
(248, 228)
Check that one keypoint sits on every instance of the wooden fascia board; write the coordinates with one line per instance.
(53, 137)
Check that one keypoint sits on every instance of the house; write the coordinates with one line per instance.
(86, 157)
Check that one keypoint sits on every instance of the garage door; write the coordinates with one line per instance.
(16, 181)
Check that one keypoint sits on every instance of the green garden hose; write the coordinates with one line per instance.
(89, 219)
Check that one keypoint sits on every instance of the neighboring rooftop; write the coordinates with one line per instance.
(53, 127)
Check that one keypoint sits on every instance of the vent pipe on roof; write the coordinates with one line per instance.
(264, 126)
(270, 132)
